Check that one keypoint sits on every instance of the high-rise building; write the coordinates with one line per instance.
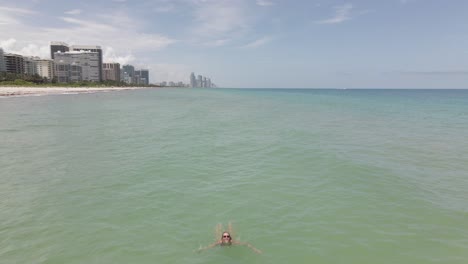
(75, 66)
(193, 81)
(62, 47)
(137, 77)
(111, 71)
(141, 77)
(208, 83)
(14, 63)
(199, 81)
(56, 46)
(2, 61)
(144, 76)
(96, 49)
(45, 68)
(127, 74)
(29, 64)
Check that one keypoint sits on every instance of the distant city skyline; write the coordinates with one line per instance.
(200, 81)
(258, 43)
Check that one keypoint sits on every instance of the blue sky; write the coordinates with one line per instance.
(259, 43)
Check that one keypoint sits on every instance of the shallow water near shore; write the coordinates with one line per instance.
(306, 176)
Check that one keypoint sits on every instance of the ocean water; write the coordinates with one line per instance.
(306, 176)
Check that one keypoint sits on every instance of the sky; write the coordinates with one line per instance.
(258, 43)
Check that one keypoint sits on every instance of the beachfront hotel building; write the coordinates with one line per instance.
(29, 64)
(74, 66)
(111, 71)
(14, 63)
(26, 65)
(87, 48)
(45, 68)
(62, 47)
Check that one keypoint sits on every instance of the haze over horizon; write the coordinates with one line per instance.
(259, 43)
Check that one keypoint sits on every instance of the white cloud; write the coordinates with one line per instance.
(73, 12)
(257, 43)
(110, 55)
(217, 42)
(12, 46)
(8, 44)
(12, 16)
(16, 10)
(95, 26)
(121, 37)
(264, 3)
(342, 13)
(218, 19)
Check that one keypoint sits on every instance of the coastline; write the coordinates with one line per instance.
(8, 91)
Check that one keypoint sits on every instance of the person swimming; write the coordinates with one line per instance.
(227, 240)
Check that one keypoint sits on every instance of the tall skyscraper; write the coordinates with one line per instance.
(193, 81)
(141, 77)
(14, 63)
(111, 71)
(127, 74)
(2, 61)
(57, 46)
(75, 66)
(144, 76)
(199, 81)
(137, 77)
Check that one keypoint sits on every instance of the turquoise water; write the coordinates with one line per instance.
(306, 176)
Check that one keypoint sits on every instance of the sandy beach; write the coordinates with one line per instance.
(25, 91)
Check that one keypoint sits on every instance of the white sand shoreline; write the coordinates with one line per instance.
(6, 91)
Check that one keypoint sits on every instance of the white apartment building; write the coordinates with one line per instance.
(74, 66)
(45, 68)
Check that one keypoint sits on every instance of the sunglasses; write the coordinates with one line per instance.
(227, 236)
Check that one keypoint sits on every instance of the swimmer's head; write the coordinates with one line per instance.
(226, 237)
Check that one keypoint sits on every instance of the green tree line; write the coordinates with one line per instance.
(13, 79)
